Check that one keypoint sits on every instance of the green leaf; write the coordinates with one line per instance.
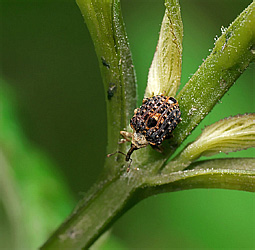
(165, 71)
(227, 135)
(235, 173)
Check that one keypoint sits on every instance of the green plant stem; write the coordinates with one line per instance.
(115, 197)
(107, 30)
(229, 173)
(232, 54)
(88, 222)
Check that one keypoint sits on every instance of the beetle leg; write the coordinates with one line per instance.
(127, 136)
(123, 141)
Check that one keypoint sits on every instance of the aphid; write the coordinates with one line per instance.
(106, 64)
(152, 123)
(111, 90)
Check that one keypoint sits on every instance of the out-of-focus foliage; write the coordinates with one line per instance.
(33, 196)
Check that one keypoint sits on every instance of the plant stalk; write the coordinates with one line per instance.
(88, 222)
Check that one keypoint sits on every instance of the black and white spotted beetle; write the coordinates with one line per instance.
(152, 123)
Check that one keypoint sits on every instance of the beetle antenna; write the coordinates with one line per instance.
(127, 156)
(117, 152)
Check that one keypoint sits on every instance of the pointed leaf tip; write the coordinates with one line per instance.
(165, 71)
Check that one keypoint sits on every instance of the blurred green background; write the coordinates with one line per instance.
(54, 95)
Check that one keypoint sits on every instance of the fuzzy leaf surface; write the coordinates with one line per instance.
(165, 71)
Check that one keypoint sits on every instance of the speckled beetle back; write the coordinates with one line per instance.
(156, 118)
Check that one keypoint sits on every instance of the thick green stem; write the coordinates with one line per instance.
(115, 197)
(230, 173)
(88, 222)
(232, 54)
(106, 27)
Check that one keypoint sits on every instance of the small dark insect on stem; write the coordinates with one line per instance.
(111, 90)
(105, 63)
